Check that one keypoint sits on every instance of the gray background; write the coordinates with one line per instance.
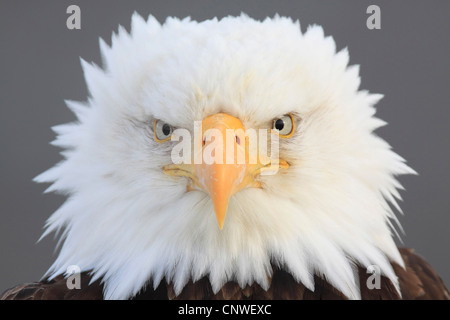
(407, 60)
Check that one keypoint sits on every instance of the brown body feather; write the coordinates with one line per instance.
(417, 282)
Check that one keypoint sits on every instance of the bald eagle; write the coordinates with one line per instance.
(160, 207)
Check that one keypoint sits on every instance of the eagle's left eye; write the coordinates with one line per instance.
(284, 126)
(163, 131)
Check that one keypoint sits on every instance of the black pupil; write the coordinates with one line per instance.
(166, 129)
(279, 124)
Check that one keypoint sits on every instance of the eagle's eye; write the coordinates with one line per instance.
(163, 131)
(284, 126)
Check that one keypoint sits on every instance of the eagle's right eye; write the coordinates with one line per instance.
(163, 131)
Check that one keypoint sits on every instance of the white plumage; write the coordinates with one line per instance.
(128, 222)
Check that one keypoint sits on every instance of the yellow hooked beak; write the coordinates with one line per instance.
(224, 167)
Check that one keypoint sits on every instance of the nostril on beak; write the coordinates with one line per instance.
(238, 140)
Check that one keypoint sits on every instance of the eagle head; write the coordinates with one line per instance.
(165, 171)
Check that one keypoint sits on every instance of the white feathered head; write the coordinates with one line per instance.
(134, 217)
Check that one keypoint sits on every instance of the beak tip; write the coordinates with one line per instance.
(220, 209)
(221, 222)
